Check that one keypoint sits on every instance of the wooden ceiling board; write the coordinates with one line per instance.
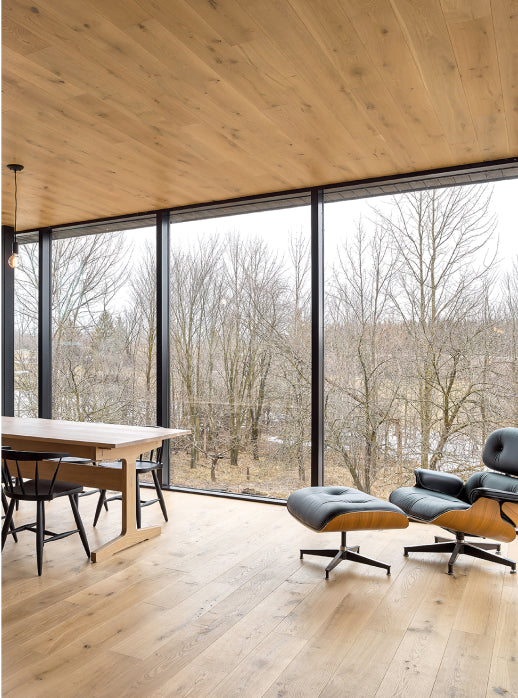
(133, 105)
(505, 22)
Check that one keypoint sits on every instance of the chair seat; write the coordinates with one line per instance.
(60, 489)
(142, 466)
(426, 505)
(74, 460)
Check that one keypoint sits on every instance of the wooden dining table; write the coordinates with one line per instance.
(98, 442)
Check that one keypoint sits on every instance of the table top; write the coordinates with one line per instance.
(92, 433)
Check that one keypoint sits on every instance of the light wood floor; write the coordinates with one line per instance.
(220, 605)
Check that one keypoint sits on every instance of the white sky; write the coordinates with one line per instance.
(338, 218)
(276, 227)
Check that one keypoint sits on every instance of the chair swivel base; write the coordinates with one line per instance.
(345, 553)
(462, 547)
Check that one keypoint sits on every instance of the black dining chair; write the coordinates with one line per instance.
(144, 465)
(83, 461)
(31, 487)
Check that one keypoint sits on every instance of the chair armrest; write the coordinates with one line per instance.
(445, 483)
(489, 493)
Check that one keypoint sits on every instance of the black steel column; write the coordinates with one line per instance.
(163, 406)
(317, 337)
(7, 324)
(45, 325)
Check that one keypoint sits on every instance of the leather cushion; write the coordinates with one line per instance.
(501, 450)
(492, 481)
(315, 507)
(439, 481)
(425, 505)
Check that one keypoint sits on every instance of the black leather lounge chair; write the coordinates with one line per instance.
(486, 506)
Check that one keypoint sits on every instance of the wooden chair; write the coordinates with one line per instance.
(18, 487)
(151, 465)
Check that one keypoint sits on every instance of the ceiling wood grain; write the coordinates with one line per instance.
(134, 105)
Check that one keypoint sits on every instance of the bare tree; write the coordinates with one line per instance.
(196, 279)
(363, 376)
(247, 318)
(439, 237)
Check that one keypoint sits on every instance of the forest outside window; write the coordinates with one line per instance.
(420, 332)
(241, 352)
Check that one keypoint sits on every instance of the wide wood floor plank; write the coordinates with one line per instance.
(464, 670)
(503, 674)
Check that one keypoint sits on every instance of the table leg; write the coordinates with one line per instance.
(130, 534)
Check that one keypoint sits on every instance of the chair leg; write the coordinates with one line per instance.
(100, 502)
(321, 553)
(7, 521)
(159, 493)
(334, 562)
(462, 547)
(138, 508)
(79, 523)
(430, 548)
(459, 548)
(12, 527)
(484, 545)
(40, 534)
(482, 554)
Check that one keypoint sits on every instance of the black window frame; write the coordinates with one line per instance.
(445, 177)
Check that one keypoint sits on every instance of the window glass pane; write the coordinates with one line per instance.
(26, 332)
(104, 327)
(240, 352)
(421, 320)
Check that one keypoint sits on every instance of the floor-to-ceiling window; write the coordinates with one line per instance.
(421, 328)
(420, 331)
(240, 332)
(104, 325)
(26, 331)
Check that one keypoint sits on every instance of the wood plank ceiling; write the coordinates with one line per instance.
(120, 106)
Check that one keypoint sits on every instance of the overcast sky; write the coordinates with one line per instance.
(276, 226)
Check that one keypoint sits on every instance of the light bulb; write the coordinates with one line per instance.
(14, 260)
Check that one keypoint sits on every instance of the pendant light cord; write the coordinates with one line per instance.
(15, 202)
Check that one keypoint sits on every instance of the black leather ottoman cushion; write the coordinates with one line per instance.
(317, 507)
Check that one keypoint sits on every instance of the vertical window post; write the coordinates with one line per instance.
(7, 324)
(163, 408)
(45, 325)
(317, 337)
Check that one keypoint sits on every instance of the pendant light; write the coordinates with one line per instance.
(14, 259)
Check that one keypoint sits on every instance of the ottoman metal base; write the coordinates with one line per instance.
(345, 553)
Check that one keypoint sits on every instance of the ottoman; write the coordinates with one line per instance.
(343, 509)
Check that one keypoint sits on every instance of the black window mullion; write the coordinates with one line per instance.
(7, 324)
(317, 337)
(45, 325)
(163, 408)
